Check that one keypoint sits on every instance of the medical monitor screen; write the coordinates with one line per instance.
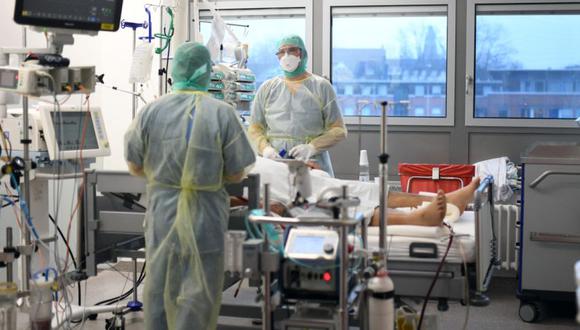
(69, 127)
(8, 79)
(308, 244)
(93, 15)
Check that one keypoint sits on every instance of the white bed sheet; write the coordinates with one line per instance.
(399, 239)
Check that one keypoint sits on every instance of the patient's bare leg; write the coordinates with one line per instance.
(430, 215)
(463, 196)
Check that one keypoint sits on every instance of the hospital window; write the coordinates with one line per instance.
(531, 57)
(382, 90)
(367, 90)
(406, 54)
(419, 112)
(261, 33)
(348, 90)
(419, 90)
(565, 113)
(436, 90)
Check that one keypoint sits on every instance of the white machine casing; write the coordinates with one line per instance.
(12, 126)
(97, 122)
(328, 248)
(33, 80)
(18, 80)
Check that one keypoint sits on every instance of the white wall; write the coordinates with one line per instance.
(111, 54)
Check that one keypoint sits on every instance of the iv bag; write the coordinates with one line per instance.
(223, 42)
(141, 64)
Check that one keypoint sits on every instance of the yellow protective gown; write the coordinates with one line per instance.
(187, 143)
(288, 113)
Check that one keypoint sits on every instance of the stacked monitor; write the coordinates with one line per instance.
(88, 15)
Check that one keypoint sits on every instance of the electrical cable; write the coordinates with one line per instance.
(466, 297)
(434, 281)
(124, 295)
(74, 261)
(121, 197)
(114, 313)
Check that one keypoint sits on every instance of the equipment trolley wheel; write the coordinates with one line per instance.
(531, 311)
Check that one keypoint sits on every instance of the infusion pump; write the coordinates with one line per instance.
(58, 133)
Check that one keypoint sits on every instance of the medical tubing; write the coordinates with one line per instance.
(9, 202)
(45, 273)
(434, 281)
(24, 208)
(74, 261)
(250, 229)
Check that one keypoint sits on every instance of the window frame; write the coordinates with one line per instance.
(501, 6)
(395, 7)
(259, 8)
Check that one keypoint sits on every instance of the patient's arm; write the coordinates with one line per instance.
(401, 199)
(430, 215)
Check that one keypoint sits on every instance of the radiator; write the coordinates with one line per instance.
(507, 224)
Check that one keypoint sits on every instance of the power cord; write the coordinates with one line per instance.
(436, 277)
(74, 261)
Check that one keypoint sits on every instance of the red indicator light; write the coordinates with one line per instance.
(326, 277)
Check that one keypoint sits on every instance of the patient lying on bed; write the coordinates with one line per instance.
(279, 178)
(430, 215)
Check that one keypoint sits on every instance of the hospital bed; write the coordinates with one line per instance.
(112, 216)
(415, 252)
(414, 255)
(111, 227)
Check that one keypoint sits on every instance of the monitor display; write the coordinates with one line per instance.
(68, 128)
(9, 79)
(308, 244)
(94, 15)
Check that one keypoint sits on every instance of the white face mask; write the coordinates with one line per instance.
(289, 63)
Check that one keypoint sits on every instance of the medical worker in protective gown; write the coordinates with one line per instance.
(297, 113)
(187, 145)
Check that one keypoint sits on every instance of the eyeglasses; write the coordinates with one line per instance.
(288, 50)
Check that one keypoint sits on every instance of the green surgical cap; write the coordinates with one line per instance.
(191, 67)
(296, 41)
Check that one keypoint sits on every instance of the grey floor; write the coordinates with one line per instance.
(502, 313)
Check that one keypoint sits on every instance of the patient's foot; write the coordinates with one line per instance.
(463, 196)
(432, 214)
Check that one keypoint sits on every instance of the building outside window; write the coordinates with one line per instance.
(518, 57)
(403, 63)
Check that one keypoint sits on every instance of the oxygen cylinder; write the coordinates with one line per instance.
(381, 302)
